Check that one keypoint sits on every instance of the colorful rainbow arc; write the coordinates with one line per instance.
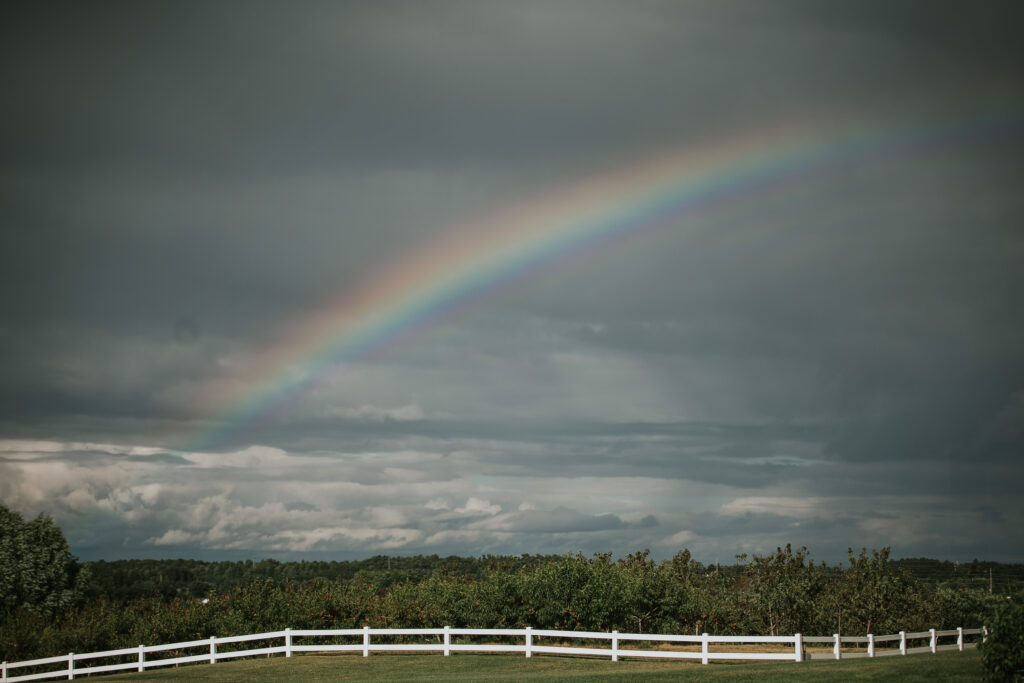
(477, 259)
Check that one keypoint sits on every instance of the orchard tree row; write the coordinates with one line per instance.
(780, 593)
(50, 604)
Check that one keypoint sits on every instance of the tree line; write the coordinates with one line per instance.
(122, 580)
(63, 606)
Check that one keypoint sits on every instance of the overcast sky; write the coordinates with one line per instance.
(834, 359)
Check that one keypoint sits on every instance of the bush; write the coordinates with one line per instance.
(1002, 653)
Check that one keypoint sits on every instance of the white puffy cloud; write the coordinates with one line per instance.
(680, 539)
(478, 506)
(468, 498)
(778, 505)
(176, 537)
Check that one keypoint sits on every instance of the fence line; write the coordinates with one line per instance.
(791, 648)
(901, 648)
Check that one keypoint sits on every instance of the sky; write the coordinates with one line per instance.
(332, 280)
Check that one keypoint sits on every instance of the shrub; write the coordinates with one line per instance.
(1002, 653)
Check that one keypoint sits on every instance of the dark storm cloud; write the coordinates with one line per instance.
(981, 38)
(837, 358)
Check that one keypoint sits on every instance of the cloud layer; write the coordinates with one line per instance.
(834, 361)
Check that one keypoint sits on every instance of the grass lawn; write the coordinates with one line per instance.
(946, 666)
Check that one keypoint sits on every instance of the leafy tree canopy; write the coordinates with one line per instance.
(37, 571)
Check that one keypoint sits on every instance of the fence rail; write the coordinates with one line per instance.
(871, 649)
(787, 648)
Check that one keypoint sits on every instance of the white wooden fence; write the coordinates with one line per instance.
(787, 648)
(867, 646)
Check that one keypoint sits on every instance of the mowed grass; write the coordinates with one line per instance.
(945, 666)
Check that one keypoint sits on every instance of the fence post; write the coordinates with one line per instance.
(704, 648)
(871, 645)
(529, 641)
(288, 642)
(984, 634)
(835, 648)
(71, 666)
(447, 640)
(799, 645)
(366, 641)
(615, 646)
(3, 672)
(960, 638)
(142, 658)
(213, 649)
(903, 642)
(934, 642)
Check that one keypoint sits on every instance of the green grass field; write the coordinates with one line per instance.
(946, 666)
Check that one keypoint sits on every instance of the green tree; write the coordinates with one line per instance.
(697, 599)
(785, 590)
(950, 606)
(37, 571)
(642, 591)
(876, 595)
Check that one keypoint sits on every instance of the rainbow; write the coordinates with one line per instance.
(475, 260)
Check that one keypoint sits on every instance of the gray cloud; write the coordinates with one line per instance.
(831, 360)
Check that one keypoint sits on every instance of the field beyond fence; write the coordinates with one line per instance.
(525, 641)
